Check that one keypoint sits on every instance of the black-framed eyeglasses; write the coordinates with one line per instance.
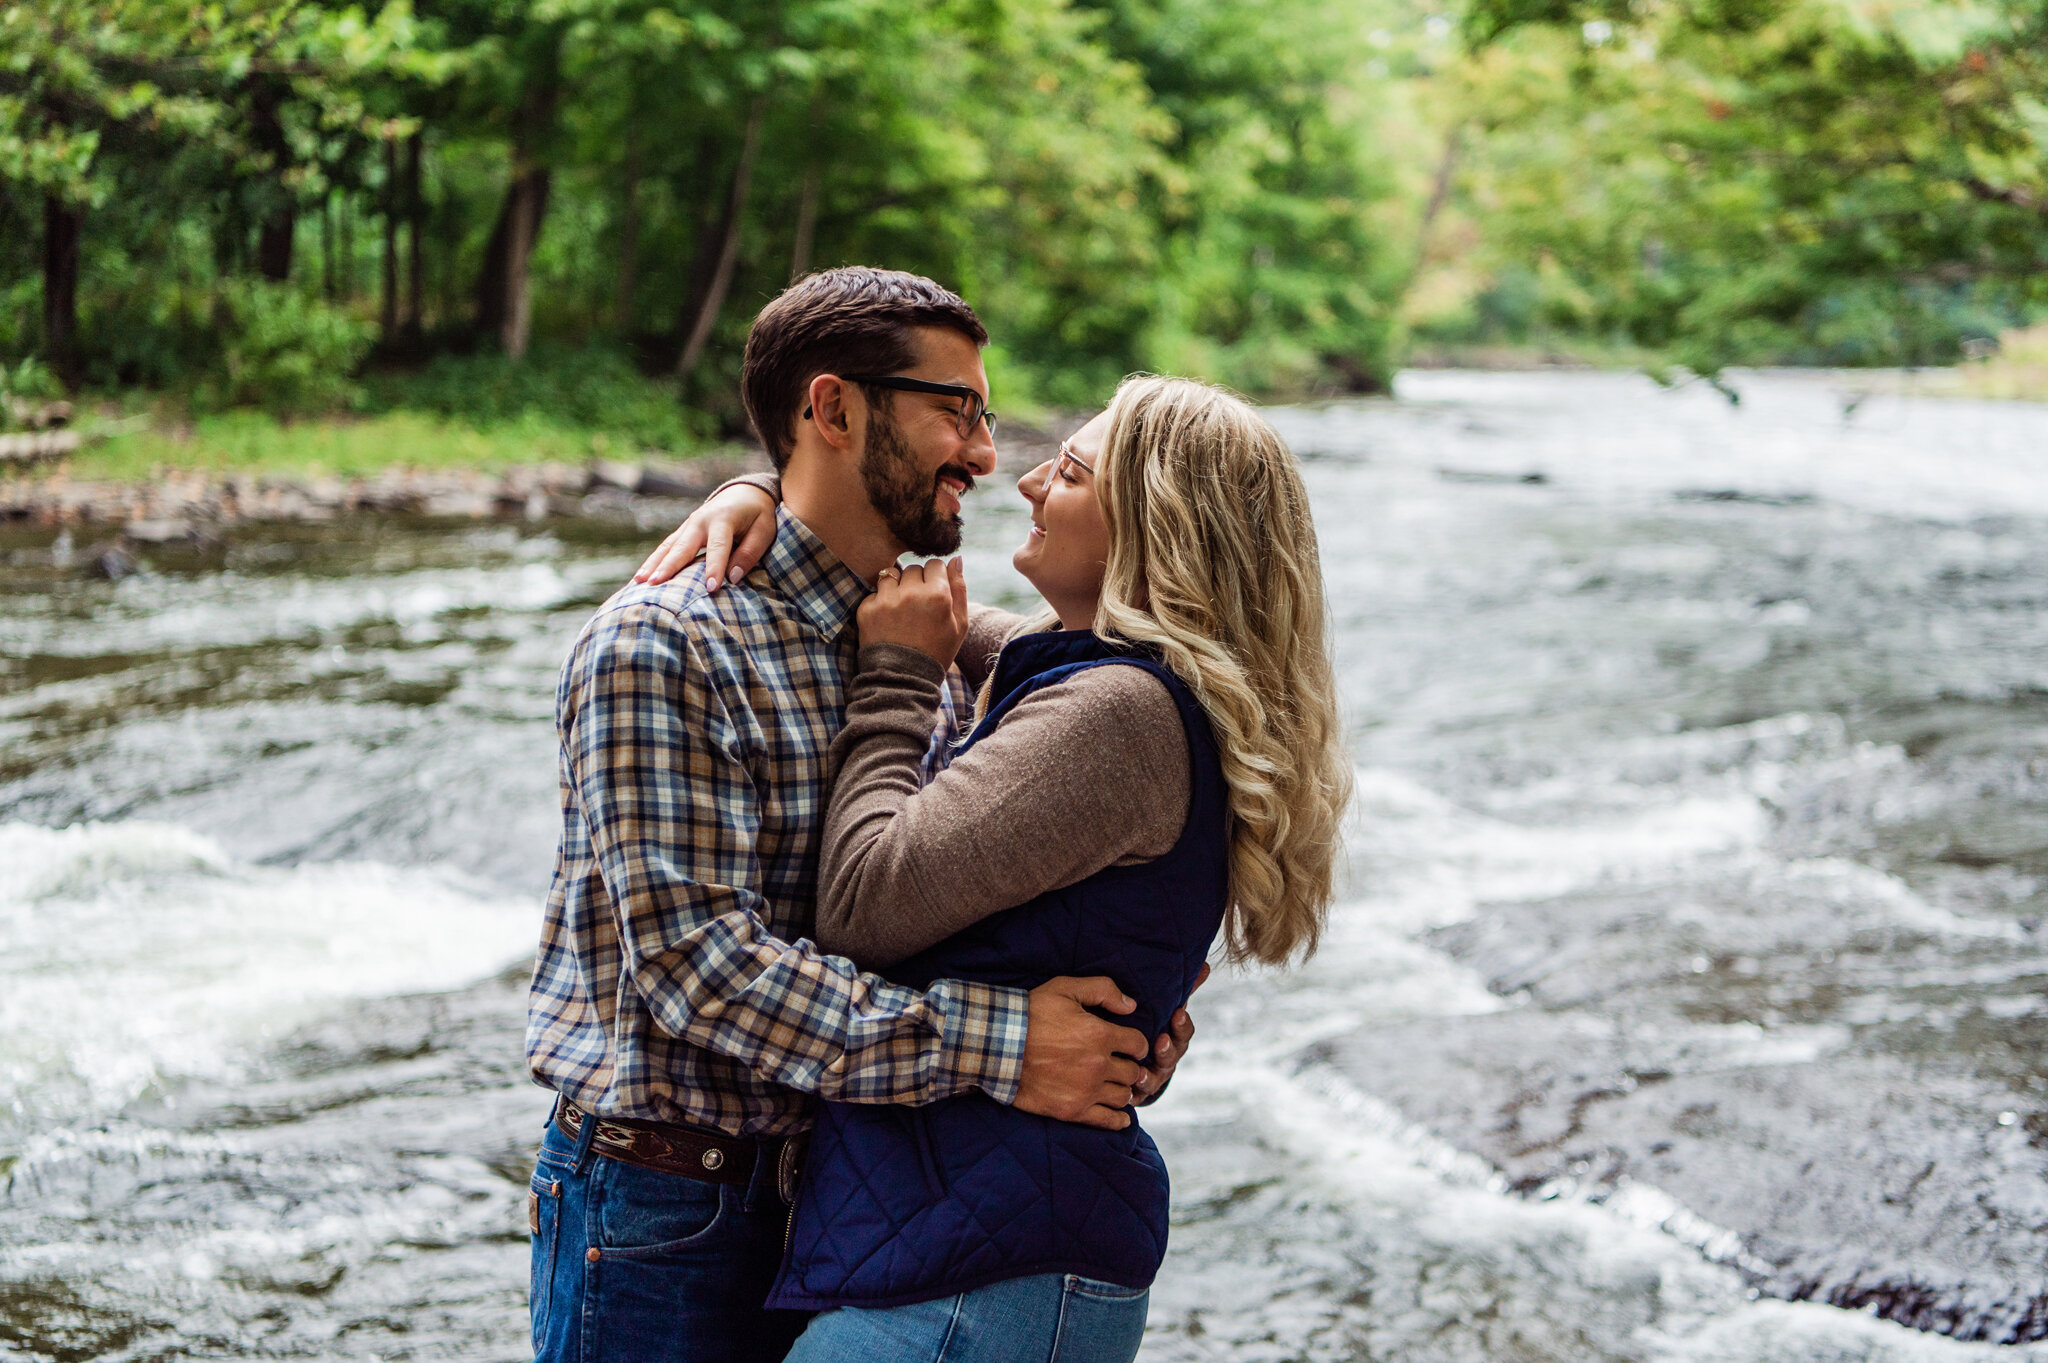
(973, 406)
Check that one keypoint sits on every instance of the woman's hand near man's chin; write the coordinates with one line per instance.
(920, 609)
(922, 606)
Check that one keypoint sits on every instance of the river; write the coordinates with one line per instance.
(1688, 977)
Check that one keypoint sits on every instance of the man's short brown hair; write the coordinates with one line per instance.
(852, 320)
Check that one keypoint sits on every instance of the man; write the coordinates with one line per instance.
(675, 1007)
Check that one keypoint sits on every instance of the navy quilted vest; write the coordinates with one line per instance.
(904, 1204)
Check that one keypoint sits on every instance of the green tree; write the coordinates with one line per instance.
(1116, 183)
(1767, 180)
(164, 119)
(1281, 268)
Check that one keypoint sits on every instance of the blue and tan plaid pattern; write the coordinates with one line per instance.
(673, 981)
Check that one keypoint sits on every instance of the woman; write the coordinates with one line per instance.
(1157, 758)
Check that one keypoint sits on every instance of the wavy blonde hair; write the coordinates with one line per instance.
(1213, 561)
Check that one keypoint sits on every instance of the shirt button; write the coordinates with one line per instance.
(593, 1254)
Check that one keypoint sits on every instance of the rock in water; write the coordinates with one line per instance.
(111, 561)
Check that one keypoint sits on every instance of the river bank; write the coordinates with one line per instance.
(182, 504)
(112, 528)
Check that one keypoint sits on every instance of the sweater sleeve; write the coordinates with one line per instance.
(1080, 775)
(770, 483)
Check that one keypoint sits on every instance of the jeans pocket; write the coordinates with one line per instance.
(1100, 1322)
(544, 1220)
(644, 1212)
(1095, 1287)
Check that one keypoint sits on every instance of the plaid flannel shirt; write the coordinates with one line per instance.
(673, 982)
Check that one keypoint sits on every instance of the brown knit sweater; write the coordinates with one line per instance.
(1086, 773)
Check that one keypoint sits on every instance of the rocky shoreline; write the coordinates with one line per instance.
(192, 505)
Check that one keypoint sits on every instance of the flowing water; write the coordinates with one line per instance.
(1688, 979)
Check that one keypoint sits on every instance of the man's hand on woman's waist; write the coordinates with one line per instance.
(1079, 1067)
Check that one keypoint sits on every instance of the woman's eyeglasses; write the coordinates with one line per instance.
(973, 407)
(1067, 456)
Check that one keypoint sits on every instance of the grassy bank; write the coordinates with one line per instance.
(342, 446)
(560, 405)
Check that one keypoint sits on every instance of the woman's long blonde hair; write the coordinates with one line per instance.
(1212, 560)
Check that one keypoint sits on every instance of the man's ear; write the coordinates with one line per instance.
(831, 401)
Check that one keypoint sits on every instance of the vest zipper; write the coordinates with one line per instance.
(788, 1232)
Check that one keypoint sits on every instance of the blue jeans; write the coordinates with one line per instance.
(680, 1268)
(1051, 1318)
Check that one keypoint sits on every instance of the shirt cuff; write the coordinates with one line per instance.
(983, 1044)
(900, 660)
(769, 483)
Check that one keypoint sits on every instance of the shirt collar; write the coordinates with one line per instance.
(811, 576)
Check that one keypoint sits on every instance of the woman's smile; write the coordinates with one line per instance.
(1067, 568)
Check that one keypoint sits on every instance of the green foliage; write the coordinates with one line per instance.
(1278, 274)
(258, 442)
(1269, 193)
(281, 350)
(1767, 181)
(29, 380)
(594, 388)
(1116, 184)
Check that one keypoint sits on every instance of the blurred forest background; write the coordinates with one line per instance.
(515, 228)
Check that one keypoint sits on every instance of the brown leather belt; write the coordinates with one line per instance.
(692, 1151)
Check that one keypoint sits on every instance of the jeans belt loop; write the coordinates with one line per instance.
(763, 1179)
(585, 1138)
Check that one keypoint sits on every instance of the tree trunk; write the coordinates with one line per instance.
(729, 245)
(1440, 189)
(346, 230)
(280, 226)
(526, 203)
(706, 193)
(230, 235)
(389, 318)
(62, 225)
(629, 234)
(274, 245)
(806, 221)
(504, 302)
(492, 298)
(329, 284)
(415, 264)
(808, 195)
(490, 279)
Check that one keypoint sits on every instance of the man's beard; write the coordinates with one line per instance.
(904, 494)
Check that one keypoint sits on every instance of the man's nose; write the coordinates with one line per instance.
(981, 451)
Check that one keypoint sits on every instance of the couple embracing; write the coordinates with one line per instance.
(875, 912)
